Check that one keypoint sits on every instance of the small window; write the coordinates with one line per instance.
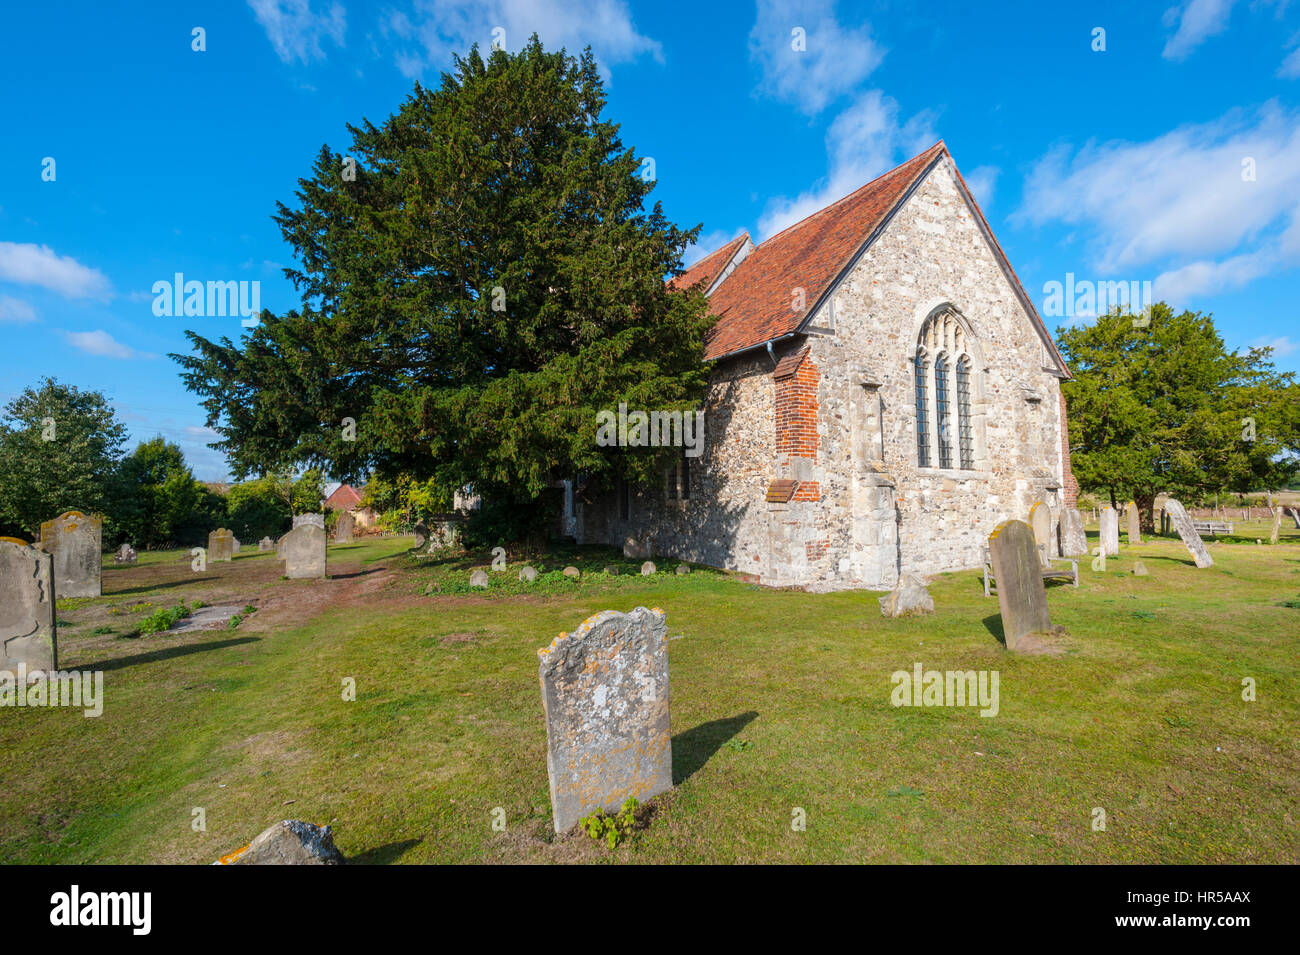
(922, 433)
(941, 411)
(964, 442)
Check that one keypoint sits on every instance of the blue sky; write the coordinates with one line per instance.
(1117, 164)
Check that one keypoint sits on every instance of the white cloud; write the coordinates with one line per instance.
(833, 61)
(865, 140)
(1290, 68)
(707, 243)
(1281, 345)
(1197, 21)
(101, 343)
(26, 263)
(295, 30)
(16, 311)
(1179, 202)
(438, 28)
(982, 181)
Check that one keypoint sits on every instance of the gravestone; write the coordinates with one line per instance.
(637, 546)
(279, 546)
(683, 569)
(1295, 515)
(74, 539)
(605, 694)
(648, 568)
(1134, 524)
(125, 555)
(528, 574)
(1277, 526)
(290, 842)
(344, 528)
(910, 596)
(610, 569)
(478, 579)
(304, 552)
(421, 535)
(28, 629)
(1040, 520)
(1187, 531)
(265, 544)
(221, 545)
(1074, 540)
(1139, 569)
(234, 545)
(316, 520)
(572, 572)
(1022, 598)
(1110, 532)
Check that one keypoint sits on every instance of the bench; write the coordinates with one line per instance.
(1213, 528)
(1070, 573)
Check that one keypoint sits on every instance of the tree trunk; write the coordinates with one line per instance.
(1146, 505)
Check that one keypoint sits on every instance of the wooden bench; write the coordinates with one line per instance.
(1213, 528)
(1070, 573)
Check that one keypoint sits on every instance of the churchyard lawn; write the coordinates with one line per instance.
(780, 700)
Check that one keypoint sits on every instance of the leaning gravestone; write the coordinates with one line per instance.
(304, 552)
(1074, 539)
(1187, 531)
(316, 520)
(421, 535)
(28, 632)
(344, 528)
(1277, 526)
(1040, 520)
(1134, 524)
(265, 544)
(221, 545)
(74, 540)
(605, 693)
(1110, 532)
(125, 555)
(1022, 598)
(1295, 515)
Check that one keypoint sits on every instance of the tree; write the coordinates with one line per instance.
(59, 448)
(479, 277)
(1166, 407)
(153, 495)
(258, 508)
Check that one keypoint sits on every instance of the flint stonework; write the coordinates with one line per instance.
(28, 632)
(74, 539)
(605, 693)
(1022, 598)
(1187, 531)
(304, 552)
(1074, 540)
(1110, 532)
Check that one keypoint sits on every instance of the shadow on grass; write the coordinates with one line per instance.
(154, 656)
(993, 623)
(161, 586)
(384, 855)
(695, 747)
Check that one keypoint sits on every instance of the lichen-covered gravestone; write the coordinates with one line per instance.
(344, 528)
(1134, 524)
(1187, 531)
(1109, 536)
(1022, 598)
(605, 692)
(27, 624)
(1074, 539)
(74, 539)
(1040, 519)
(421, 535)
(125, 555)
(304, 552)
(221, 545)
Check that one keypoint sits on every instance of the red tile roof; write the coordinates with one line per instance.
(344, 498)
(711, 266)
(756, 303)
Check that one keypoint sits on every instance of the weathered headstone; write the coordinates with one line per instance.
(74, 539)
(573, 573)
(1022, 598)
(279, 546)
(28, 629)
(479, 578)
(235, 545)
(316, 520)
(1277, 526)
(528, 574)
(221, 545)
(421, 535)
(910, 596)
(610, 569)
(290, 842)
(1134, 523)
(304, 552)
(605, 693)
(1140, 569)
(648, 568)
(1074, 539)
(637, 546)
(1295, 515)
(1187, 531)
(683, 569)
(265, 544)
(1040, 520)
(1110, 532)
(344, 528)
(125, 555)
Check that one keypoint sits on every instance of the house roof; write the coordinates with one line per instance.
(344, 498)
(711, 266)
(754, 304)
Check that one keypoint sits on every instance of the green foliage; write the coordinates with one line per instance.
(258, 508)
(611, 829)
(499, 521)
(41, 479)
(1162, 408)
(487, 283)
(164, 618)
(403, 501)
(156, 502)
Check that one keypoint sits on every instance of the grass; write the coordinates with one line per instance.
(780, 708)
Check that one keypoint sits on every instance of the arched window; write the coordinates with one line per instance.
(922, 431)
(942, 429)
(964, 441)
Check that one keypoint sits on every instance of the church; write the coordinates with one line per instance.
(883, 394)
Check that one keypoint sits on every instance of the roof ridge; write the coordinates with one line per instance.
(866, 185)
